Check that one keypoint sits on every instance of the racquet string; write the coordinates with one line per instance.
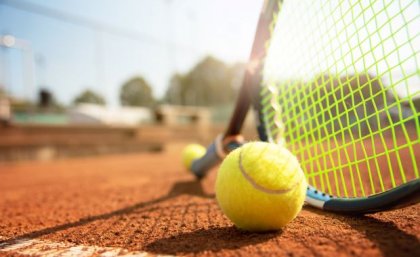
(341, 83)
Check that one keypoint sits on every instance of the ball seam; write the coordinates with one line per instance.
(261, 188)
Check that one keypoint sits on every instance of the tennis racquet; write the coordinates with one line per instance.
(337, 83)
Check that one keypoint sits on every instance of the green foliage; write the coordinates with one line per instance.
(88, 96)
(22, 105)
(210, 83)
(353, 98)
(136, 92)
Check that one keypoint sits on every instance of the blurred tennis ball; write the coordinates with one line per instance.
(192, 152)
(260, 186)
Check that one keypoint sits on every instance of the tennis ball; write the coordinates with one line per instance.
(192, 152)
(260, 186)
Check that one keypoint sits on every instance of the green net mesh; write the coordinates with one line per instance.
(341, 85)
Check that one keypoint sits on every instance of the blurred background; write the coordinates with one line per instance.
(93, 77)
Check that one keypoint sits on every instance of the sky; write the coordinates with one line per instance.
(100, 44)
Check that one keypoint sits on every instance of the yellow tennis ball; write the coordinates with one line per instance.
(192, 152)
(260, 186)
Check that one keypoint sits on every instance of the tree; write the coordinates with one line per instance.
(88, 96)
(136, 92)
(416, 103)
(174, 92)
(331, 103)
(210, 83)
(48, 102)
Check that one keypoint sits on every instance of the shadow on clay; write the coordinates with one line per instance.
(212, 239)
(193, 188)
(390, 240)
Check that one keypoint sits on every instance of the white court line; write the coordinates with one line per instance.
(36, 247)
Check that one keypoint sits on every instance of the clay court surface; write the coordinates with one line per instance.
(146, 204)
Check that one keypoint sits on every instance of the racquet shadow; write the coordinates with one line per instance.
(390, 240)
(193, 188)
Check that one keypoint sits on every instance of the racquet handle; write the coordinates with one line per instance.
(215, 153)
(201, 166)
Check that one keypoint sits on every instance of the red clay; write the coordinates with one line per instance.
(148, 202)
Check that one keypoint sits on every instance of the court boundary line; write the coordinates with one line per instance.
(37, 247)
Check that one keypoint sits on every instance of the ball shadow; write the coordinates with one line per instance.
(189, 187)
(212, 239)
